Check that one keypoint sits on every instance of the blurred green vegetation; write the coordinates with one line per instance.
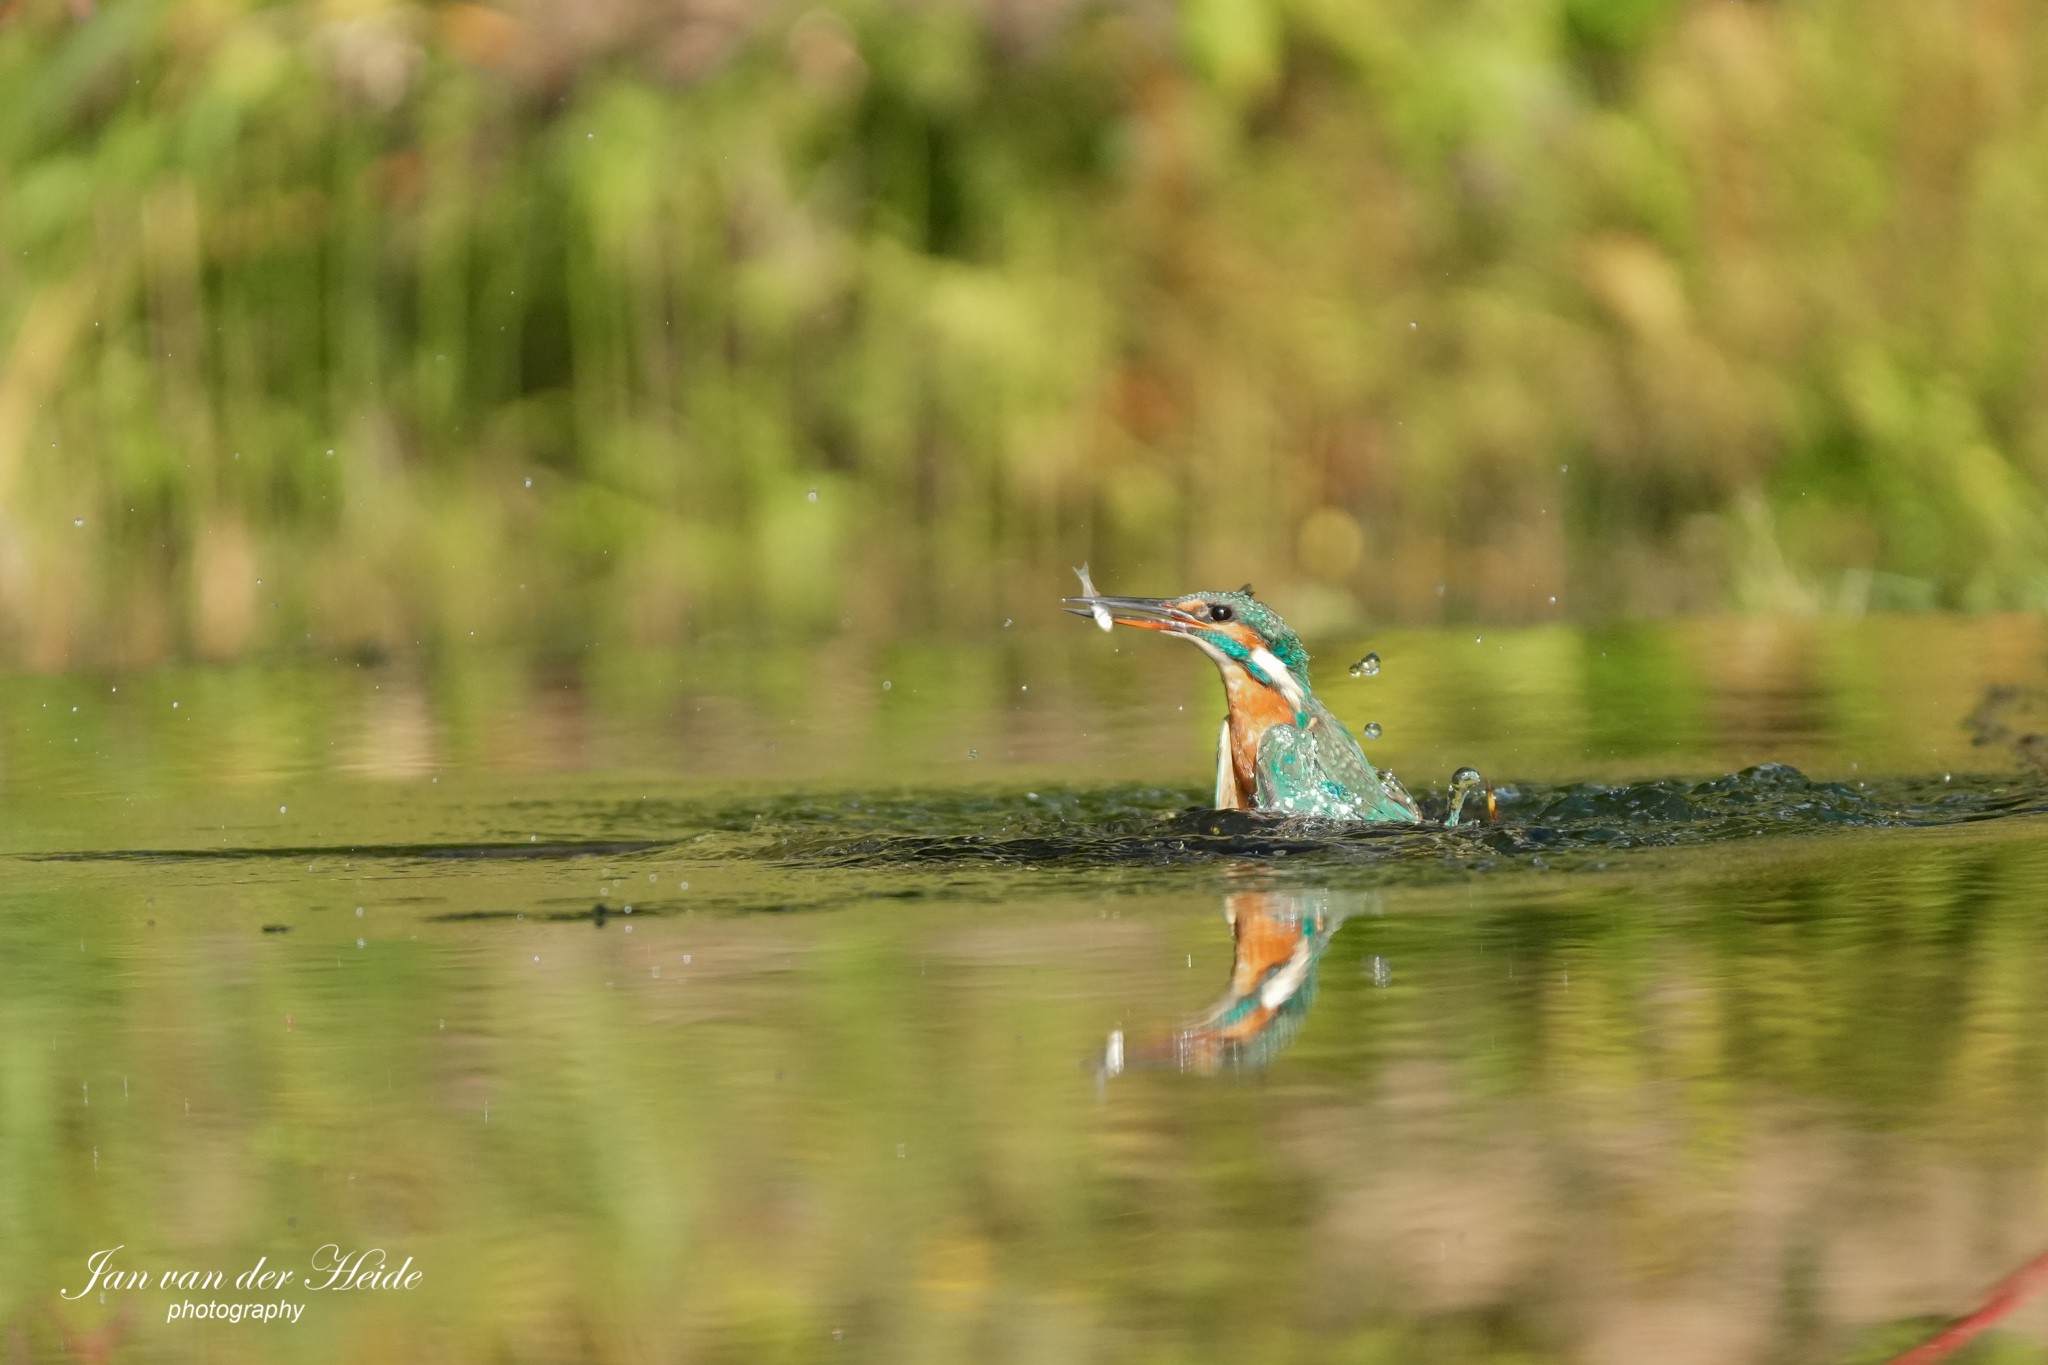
(357, 325)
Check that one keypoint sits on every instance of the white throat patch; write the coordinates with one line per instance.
(1269, 664)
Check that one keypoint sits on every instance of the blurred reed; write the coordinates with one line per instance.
(374, 326)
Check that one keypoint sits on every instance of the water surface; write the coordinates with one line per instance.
(731, 1006)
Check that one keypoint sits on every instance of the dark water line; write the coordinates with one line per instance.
(1146, 827)
(558, 848)
(1536, 822)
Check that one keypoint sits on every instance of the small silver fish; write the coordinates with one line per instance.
(1096, 609)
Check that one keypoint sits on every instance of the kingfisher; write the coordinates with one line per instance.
(1280, 750)
(1277, 938)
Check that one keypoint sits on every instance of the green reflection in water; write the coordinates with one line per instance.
(831, 1089)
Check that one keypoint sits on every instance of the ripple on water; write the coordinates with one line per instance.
(949, 842)
(1148, 825)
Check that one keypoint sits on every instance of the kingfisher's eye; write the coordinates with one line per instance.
(1219, 612)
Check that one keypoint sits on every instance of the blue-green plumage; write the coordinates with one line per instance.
(1314, 767)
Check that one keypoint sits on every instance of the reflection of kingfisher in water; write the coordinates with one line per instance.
(1278, 937)
(1281, 751)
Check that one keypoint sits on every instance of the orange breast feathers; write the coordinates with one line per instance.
(1254, 709)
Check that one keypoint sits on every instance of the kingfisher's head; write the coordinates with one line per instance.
(1242, 634)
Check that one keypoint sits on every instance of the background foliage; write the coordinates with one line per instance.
(365, 326)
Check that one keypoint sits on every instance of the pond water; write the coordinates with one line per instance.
(894, 1002)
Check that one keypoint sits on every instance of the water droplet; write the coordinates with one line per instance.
(811, 496)
(529, 482)
(1372, 729)
(78, 521)
(1008, 622)
(1367, 667)
(281, 810)
(901, 1151)
(359, 943)
(682, 886)
(359, 912)
(686, 959)
(886, 684)
(1564, 469)
(1380, 970)
(1553, 601)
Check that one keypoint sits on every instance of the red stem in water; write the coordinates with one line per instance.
(2010, 1294)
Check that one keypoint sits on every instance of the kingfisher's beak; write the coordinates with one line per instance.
(1146, 613)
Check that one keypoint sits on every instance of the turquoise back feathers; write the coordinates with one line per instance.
(1315, 768)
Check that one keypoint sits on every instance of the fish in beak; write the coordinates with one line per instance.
(1146, 613)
